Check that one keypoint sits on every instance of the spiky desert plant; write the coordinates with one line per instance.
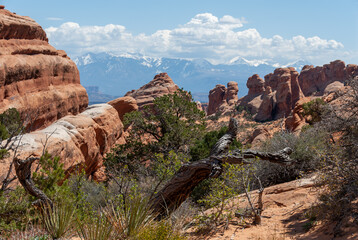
(95, 228)
(130, 218)
(57, 221)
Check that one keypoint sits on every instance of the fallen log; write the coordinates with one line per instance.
(178, 189)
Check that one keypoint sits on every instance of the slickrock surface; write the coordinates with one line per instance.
(161, 85)
(81, 140)
(285, 216)
(40, 81)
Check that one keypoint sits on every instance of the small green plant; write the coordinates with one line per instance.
(57, 221)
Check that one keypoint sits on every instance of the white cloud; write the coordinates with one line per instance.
(204, 36)
(54, 19)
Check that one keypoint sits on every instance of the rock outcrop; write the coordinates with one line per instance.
(273, 98)
(323, 80)
(40, 81)
(277, 95)
(161, 85)
(80, 141)
(296, 120)
(222, 98)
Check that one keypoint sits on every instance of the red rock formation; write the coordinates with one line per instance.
(124, 105)
(256, 85)
(222, 99)
(80, 140)
(217, 98)
(296, 120)
(231, 93)
(38, 80)
(273, 98)
(288, 91)
(326, 79)
(161, 85)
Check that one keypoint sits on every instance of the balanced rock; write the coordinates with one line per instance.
(42, 83)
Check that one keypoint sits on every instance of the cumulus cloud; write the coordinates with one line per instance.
(205, 36)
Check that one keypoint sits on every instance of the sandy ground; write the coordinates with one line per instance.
(285, 216)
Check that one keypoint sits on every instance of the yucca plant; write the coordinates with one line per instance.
(95, 228)
(129, 219)
(57, 220)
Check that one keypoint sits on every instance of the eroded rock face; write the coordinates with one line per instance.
(323, 80)
(221, 98)
(38, 80)
(161, 85)
(296, 120)
(81, 140)
(273, 98)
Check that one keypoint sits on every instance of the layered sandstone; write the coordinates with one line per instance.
(161, 85)
(221, 98)
(80, 141)
(40, 81)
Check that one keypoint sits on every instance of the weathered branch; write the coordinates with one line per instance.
(190, 175)
(23, 172)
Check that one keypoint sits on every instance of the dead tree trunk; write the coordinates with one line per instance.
(23, 173)
(178, 189)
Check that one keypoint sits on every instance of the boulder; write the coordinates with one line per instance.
(161, 85)
(35, 78)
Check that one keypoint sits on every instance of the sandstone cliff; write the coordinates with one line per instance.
(161, 85)
(40, 81)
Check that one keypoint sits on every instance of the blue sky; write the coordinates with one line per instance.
(317, 30)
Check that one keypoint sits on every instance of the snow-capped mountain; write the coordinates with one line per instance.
(118, 74)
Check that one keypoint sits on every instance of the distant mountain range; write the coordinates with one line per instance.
(116, 75)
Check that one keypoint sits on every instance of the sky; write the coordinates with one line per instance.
(318, 31)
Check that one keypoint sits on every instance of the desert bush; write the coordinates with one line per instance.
(15, 209)
(309, 149)
(314, 110)
(340, 170)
